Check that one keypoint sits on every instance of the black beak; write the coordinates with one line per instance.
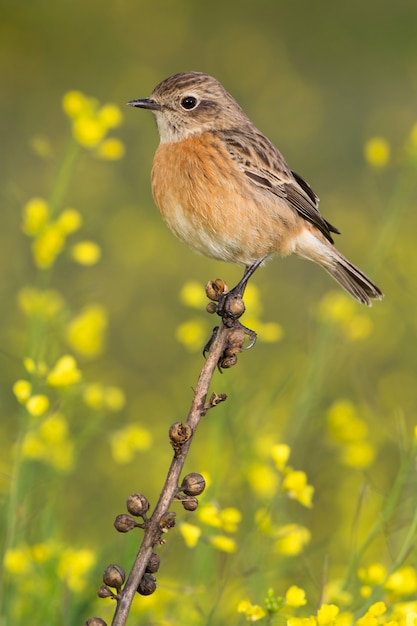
(145, 103)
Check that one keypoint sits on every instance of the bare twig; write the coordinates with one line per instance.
(159, 523)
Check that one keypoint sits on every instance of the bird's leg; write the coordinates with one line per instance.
(226, 307)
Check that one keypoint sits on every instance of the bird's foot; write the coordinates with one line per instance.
(229, 306)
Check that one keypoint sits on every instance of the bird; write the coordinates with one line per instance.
(224, 189)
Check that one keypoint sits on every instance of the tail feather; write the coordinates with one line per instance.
(316, 248)
(353, 280)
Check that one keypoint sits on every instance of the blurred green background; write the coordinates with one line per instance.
(319, 79)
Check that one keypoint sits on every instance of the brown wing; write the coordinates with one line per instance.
(265, 166)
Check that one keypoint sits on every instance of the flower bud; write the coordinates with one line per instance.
(193, 484)
(114, 576)
(137, 504)
(95, 621)
(153, 563)
(215, 289)
(123, 523)
(211, 307)
(190, 504)
(104, 592)
(180, 433)
(147, 585)
(167, 521)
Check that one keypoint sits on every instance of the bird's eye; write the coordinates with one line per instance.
(189, 102)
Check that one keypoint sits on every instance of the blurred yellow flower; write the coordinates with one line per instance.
(326, 615)
(37, 405)
(192, 294)
(88, 130)
(344, 424)
(39, 368)
(230, 519)
(291, 539)
(86, 332)
(129, 440)
(86, 252)
(110, 115)
(22, 389)
(111, 149)
(377, 152)
(253, 612)
(374, 574)
(190, 533)
(192, 334)
(74, 103)
(223, 543)
(35, 216)
(47, 304)
(295, 596)
(64, 373)
(17, 560)
(69, 221)
(47, 246)
(302, 621)
(295, 484)
(97, 396)
(359, 455)
(40, 552)
(280, 454)
(263, 479)
(54, 429)
(403, 581)
(74, 566)
(50, 443)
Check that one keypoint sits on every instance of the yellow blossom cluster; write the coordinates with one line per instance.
(338, 309)
(48, 232)
(91, 123)
(350, 434)
(226, 520)
(72, 566)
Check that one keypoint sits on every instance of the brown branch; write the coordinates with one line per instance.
(159, 523)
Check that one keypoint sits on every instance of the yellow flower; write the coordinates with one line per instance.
(326, 615)
(263, 480)
(111, 149)
(377, 152)
(295, 483)
(114, 398)
(359, 455)
(47, 246)
(74, 566)
(230, 519)
(88, 130)
(126, 441)
(40, 552)
(110, 115)
(253, 612)
(302, 621)
(280, 454)
(291, 539)
(37, 405)
(192, 334)
(54, 430)
(209, 514)
(86, 252)
(86, 332)
(35, 216)
(336, 307)
(22, 389)
(38, 368)
(370, 618)
(64, 373)
(223, 543)
(374, 574)
(69, 221)
(17, 560)
(74, 103)
(295, 596)
(192, 294)
(47, 304)
(403, 581)
(190, 533)
(344, 424)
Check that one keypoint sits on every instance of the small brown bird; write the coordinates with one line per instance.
(226, 191)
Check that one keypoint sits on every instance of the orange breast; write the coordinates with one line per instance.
(211, 205)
